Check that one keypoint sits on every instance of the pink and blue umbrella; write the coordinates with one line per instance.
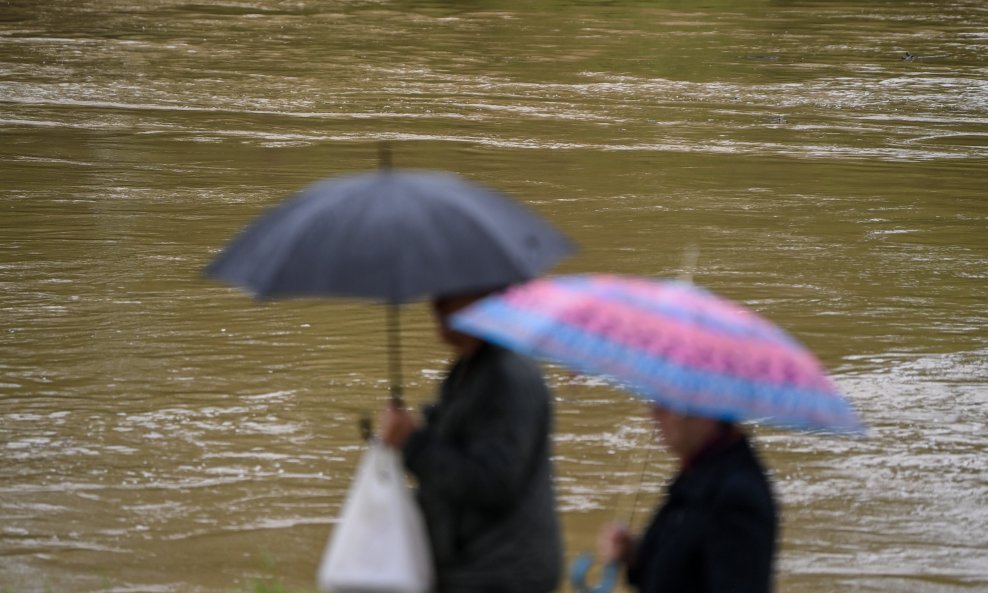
(670, 342)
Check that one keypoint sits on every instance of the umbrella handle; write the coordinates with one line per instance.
(578, 575)
(366, 427)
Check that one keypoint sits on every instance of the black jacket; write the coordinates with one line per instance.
(715, 532)
(482, 462)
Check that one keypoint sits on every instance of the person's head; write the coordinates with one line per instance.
(685, 435)
(446, 305)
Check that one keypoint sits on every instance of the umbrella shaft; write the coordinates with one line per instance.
(394, 353)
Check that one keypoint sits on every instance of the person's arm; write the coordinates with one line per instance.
(741, 539)
(492, 466)
(617, 544)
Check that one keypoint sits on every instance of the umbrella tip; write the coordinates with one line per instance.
(384, 155)
(691, 253)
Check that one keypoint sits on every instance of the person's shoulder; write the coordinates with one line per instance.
(513, 361)
(516, 373)
(744, 481)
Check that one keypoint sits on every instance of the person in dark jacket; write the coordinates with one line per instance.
(482, 462)
(716, 530)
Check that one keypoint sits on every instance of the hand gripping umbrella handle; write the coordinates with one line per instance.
(578, 575)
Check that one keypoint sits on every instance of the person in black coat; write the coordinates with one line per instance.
(482, 463)
(716, 530)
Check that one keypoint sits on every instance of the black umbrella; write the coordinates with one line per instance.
(393, 236)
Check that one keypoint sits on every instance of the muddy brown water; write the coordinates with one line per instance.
(161, 433)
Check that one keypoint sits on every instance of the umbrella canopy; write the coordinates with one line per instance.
(390, 235)
(393, 236)
(670, 342)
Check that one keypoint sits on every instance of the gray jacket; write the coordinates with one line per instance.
(484, 474)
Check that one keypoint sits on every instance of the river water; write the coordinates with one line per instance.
(161, 433)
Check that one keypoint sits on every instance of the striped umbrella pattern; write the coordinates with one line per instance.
(670, 342)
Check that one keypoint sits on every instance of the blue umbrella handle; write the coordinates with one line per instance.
(578, 575)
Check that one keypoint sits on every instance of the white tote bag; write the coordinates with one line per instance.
(380, 544)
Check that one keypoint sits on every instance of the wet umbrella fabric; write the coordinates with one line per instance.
(390, 235)
(393, 236)
(670, 342)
